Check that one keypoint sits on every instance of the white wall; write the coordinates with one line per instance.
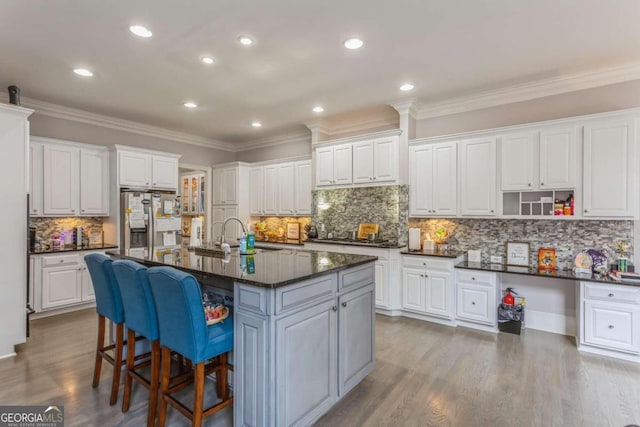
(281, 151)
(51, 127)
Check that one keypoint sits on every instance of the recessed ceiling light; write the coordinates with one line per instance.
(83, 72)
(190, 104)
(207, 60)
(140, 31)
(256, 124)
(406, 87)
(318, 109)
(245, 40)
(353, 43)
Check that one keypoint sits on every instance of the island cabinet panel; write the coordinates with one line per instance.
(250, 360)
(356, 337)
(306, 364)
(294, 296)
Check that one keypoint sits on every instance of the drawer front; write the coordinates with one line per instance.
(359, 250)
(477, 277)
(291, 297)
(624, 294)
(250, 298)
(427, 263)
(475, 304)
(356, 277)
(613, 326)
(58, 260)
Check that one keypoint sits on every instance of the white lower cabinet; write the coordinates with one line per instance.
(610, 318)
(63, 281)
(477, 297)
(427, 285)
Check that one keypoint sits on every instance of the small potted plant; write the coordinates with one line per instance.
(441, 237)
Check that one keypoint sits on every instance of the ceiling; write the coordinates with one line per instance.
(445, 48)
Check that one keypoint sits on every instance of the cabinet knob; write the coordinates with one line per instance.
(73, 210)
(610, 295)
(491, 210)
(529, 185)
(82, 210)
(374, 178)
(344, 304)
(610, 326)
(334, 308)
(473, 278)
(422, 275)
(585, 211)
(541, 184)
(146, 183)
(61, 260)
(155, 183)
(473, 303)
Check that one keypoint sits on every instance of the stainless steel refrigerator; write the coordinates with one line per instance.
(150, 222)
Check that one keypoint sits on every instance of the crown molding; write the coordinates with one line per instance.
(409, 107)
(296, 136)
(389, 118)
(75, 115)
(532, 90)
(362, 137)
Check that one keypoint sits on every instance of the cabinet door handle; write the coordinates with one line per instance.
(610, 326)
(334, 308)
(610, 295)
(344, 304)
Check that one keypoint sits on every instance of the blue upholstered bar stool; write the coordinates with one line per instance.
(108, 306)
(183, 329)
(141, 319)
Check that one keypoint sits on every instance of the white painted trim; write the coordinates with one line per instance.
(531, 90)
(282, 160)
(8, 355)
(574, 120)
(229, 165)
(388, 118)
(431, 319)
(550, 322)
(43, 140)
(285, 138)
(75, 115)
(388, 312)
(118, 147)
(410, 107)
(15, 109)
(609, 353)
(374, 135)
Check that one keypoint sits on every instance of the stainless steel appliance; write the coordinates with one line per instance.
(149, 220)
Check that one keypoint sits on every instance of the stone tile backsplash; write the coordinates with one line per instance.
(47, 227)
(346, 208)
(278, 224)
(567, 237)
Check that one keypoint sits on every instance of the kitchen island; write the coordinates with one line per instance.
(304, 326)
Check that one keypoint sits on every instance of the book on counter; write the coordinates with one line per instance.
(626, 276)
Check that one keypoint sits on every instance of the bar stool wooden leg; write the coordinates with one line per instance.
(198, 396)
(98, 365)
(155, 381)
(222, 384)
(131, 355)
(164, 386)
(117, 365)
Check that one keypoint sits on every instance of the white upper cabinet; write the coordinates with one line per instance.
(385, 159)
(35, 179)
(256, 185)
(363, 159)
(145, 170)
(433, 179)
(558, 158)
(342, 166)
(61, 173)
(609, 169)
(517, 160)
(225, 186)
(285, 189)
(94, 182)
(270, 199)
(164, 172)
(135, 169)
(217, 181)
(477, 168)
(302, 183)
(324, 166)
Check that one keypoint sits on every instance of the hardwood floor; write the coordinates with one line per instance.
(426, 375)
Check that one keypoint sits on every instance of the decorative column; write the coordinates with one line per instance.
(408, 112)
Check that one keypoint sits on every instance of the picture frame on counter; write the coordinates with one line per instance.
(293, 231)
(518, 254)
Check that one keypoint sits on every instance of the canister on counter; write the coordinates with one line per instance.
(623, 264)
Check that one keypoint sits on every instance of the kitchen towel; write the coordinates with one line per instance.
(414, 239)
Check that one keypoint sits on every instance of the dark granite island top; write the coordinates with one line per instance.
(267, 268)
(74, 248)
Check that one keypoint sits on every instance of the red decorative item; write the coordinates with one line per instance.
(508, 297)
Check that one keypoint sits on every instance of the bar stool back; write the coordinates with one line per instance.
(109, 306)
(183, 329)
(141, 319)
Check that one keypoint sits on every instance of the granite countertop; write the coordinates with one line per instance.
(284, 242)
(433, 252)
(273, 268)
(74, 248)
(552, 274)
(386, 245)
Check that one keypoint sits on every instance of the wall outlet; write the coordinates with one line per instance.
(496, 259)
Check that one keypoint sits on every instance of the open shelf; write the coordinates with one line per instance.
(532, 203)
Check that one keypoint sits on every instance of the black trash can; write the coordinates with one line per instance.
(510, 318)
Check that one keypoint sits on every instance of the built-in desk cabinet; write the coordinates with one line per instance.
(477, 172)
(433, 180)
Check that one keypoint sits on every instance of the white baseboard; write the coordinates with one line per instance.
(550, 322)
(478, 326)
(446, 322)
(8, 355)
(387, 312)
(610, 353)
(62, 310)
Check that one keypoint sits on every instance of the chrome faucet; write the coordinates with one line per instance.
(224, 226)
